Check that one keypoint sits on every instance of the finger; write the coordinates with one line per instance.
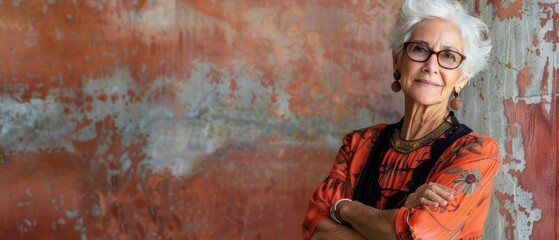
(444, 191)
(434, 197)
(426, 202)
(414, 200)
(423, 197)
(448, 189)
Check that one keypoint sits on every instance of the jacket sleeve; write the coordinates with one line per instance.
(469, 167)
(336, 186)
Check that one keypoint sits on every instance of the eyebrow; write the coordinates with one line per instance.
(444, 47)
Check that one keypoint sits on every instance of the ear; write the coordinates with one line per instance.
(462, 82)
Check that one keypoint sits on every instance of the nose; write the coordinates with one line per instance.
(432, 64)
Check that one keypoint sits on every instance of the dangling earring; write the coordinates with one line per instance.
(396, 87)
(456, 103)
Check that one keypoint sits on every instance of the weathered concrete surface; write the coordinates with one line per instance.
(217, 119)
(515, 101)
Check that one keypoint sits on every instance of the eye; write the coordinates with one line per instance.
(449, 56)
(419, 48)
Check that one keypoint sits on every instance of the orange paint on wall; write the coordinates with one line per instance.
(550, 14)
(514, 10)
(530, 117)
(524, 79)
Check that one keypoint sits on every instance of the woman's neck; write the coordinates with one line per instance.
(420, 120)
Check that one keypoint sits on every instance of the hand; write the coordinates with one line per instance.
(430, 195)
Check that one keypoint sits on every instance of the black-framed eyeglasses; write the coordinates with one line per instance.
(420, 52)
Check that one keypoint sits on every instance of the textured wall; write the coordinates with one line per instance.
(516, 101)
(196, 119)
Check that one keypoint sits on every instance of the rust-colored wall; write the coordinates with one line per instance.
(516, 101)
(216, 119)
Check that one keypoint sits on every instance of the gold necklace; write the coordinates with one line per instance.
(404, 146)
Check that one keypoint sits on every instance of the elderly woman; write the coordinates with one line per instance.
(427, 176)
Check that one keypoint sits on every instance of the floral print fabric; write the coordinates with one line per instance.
(468, 165)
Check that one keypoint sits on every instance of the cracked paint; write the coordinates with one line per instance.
(551, 13)
(513, 10)
(530, 110)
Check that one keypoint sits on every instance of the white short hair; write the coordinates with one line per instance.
(474, 32)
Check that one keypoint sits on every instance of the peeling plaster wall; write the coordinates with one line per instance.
(217, 119)
(516, 101)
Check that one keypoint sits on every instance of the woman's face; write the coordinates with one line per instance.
(427, 83)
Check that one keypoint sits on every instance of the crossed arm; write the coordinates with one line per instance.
(376, 223)
(443, 209)
(361, 218)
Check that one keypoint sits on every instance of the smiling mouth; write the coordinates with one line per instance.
(423, 81)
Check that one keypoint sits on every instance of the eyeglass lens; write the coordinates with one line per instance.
(421, 53)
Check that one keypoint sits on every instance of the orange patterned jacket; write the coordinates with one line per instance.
(468, 165)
